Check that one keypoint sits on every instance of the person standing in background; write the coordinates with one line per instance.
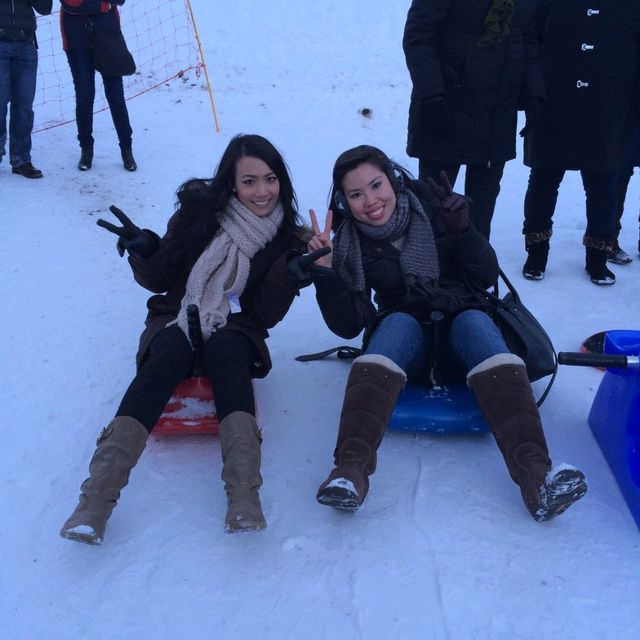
(79, 20)
(473, 64)
(591, 60)
(18, 68)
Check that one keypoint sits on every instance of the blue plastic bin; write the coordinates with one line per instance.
(615, 418)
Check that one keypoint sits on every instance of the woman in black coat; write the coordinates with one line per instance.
(591, 60)
(473, 64)
(415, 248)
(227, 250)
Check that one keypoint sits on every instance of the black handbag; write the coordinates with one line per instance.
(523, 334)
(110, 54)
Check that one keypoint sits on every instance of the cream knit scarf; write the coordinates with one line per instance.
(221, 271)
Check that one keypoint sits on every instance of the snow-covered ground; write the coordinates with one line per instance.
(443, 547)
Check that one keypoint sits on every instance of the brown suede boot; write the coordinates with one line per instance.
(119, 447)
(501, 387)
(373, 388)
(240, 443)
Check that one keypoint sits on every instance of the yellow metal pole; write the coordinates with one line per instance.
(204, 65)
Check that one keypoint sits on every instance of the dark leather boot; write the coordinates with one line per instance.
(119, 447)
(501, 387)
(240, 443)
(537, 247)
(86, 158)
(127, 159)
(373, 387)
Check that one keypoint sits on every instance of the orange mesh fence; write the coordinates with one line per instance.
(159, 34)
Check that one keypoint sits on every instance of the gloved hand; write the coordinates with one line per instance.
(300, 266)
(140, 243)
(532, 110)
(454, 208)
(436, 115)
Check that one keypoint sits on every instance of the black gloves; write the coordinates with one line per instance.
(300, 266)
(532, 110)
(454, 207)
(436, 115)
(140, 243)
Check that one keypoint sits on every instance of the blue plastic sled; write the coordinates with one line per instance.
(448, 409)
(615, 418)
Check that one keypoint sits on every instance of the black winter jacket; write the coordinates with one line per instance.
(483, 87)
(467, 255)
(19, 14)
(591, 60)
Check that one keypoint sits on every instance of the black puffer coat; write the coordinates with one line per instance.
(265, 300)
(483, 87)
(467, 255)
(591, 61)
(19, 14)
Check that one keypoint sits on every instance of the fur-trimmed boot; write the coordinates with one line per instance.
(373, 387)
(119, 446)
(240, 442)
(537, 247)
(502, 389)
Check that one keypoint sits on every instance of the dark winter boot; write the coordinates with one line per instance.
(240, 443)
(502, 389)
(86, 158)
(537, 246)
(373, 388)
(617, 255)
(119, 447)
(596, 262)
(127, 159)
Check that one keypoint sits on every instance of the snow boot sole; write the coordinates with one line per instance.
(562, 487)
(339, 493)
(77, 534)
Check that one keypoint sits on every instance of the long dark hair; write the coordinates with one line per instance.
(202, 201)
(354, 157)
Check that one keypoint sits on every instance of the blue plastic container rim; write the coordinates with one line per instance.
(624, 342)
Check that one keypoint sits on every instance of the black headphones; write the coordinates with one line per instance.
(396, 178)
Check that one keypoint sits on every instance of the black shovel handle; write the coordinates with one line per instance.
(616, 361)
(195, 337)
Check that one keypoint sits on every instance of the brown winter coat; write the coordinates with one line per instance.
(265, 301)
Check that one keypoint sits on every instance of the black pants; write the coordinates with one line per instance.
(601, 200)
(228, 357)
(481, 185)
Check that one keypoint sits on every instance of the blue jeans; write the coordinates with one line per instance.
(84, 82)
(18, 68)
(472, 338)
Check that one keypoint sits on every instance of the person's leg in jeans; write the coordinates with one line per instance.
(83, 73)
(539, 207)
(482, 186)
(601, 192)
(23, 90)
(6, 56)
(114, 92)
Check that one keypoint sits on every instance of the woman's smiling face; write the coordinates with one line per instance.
(369, 193)
(256, 185)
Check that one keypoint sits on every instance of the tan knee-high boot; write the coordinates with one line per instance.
(373, 387)
(501, 387)
(119, 447)
(240, 443)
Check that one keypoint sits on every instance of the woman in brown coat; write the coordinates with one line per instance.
(227, 250)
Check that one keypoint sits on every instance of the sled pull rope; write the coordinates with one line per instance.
(611, 360)
(195, 337)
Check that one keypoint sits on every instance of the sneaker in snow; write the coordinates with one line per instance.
(618, 256)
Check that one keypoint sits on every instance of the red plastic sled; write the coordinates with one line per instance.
(190, 410)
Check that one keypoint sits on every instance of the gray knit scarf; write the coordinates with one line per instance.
(419, 256)
(221, 271)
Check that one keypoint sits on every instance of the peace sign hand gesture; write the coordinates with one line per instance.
(140, 243)
(321, 238)
(454, 208)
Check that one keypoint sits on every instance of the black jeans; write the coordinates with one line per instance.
(601, 197)
(228, 357)
(84, 82)
(481, 185)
